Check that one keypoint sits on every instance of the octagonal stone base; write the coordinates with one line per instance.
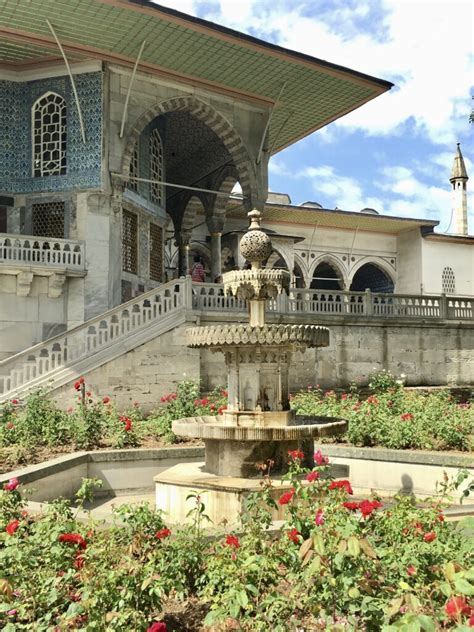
(223, 496)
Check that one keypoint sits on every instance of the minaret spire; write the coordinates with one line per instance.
(459, 180)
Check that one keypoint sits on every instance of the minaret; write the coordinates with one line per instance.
(459, 180)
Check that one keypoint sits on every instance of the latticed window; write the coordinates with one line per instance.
(448, 281)
(156, 168)
(48, 219)
(133, 184)
(49, 135)
(156, 253)
(129, 242)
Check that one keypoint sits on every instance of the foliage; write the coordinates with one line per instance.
(95, 422)
(395, 417)
(185, 402)
(336, 564)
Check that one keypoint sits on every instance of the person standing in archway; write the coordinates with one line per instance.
(198, 274)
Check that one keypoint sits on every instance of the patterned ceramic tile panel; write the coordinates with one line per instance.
(83, 160)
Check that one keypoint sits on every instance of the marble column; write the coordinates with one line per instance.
(216, 267)
(182, 241)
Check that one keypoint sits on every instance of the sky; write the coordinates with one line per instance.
(395, 153)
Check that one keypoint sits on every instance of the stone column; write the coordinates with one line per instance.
(216, 268)
(215, 226)
(182, 241)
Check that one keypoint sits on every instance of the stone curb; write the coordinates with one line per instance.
(421, 457)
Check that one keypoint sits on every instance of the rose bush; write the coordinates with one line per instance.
(395, 417)
(94, 422)
(337, 563)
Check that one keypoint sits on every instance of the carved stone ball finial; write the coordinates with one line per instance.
(255, 245)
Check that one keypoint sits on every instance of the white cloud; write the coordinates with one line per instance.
(423, 46)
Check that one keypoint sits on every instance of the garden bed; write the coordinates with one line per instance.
(336, 564)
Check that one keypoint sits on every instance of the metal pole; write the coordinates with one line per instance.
(78, 105)
(259, 155)
(170, 184)
(130, 88)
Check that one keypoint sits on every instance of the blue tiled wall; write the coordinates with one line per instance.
(83, 160)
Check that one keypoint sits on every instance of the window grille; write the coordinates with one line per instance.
(129, 242)
(448, 281)
(156, 253)
(156, 168)
(49, 135)
(48, 219)
(133, 184)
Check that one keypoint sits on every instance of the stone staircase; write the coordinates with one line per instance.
(57, 361)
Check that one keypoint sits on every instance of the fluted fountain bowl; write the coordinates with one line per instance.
(299, 336)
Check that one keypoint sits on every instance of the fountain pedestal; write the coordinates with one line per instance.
(257, 427)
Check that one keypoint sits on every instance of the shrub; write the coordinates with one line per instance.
(396, 418)
(337, 563)
(185, 402)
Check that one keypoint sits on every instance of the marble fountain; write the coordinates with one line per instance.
(258, 425)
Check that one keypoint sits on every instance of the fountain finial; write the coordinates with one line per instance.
(255, 245)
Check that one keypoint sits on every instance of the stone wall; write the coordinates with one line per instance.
(428, 354)
(27, 320)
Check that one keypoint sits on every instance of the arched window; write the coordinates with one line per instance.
(156, 168)
(448, 281)
(49, 135)
(371, 277)
(326, 277)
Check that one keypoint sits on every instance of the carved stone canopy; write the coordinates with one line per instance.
(261, 284)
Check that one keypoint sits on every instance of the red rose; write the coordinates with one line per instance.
(75, 538)
(9, 426)
(106, 399)
(286, 497)
(204, 402)
(11, 485)
(344, 484)
(351, 505)
(157, 626)
(15, 402)
(456, 606)
(344, 396)
(312, 476)
(372, 400)
(81, 380)
(319, 519)
(367, 507)
(221, 409)
(440, 517)
(471, 621)
(430, 536)
(77, 386)
(162, 533)
(319, 458)
(406, 417)
(12, 527)
(295, 454)
(293, 535)
(128, 425)
(232, 540)
(212, 407)
(411, 570)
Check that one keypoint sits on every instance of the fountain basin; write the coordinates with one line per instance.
(233, 450)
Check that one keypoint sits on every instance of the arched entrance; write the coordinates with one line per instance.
(372, 277)
(326, 276)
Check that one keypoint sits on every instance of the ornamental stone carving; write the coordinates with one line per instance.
(255, 245)
(262, 284)
(301, 336)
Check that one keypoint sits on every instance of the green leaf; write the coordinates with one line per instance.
(395, 606)
(353, 592)
(449, 571)
(353, 546)
(242, 598)
(463, 586)
(318, 544)
(427, 623)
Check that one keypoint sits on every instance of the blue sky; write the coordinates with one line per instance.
(394, 154)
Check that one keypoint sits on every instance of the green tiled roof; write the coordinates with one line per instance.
(189, 49)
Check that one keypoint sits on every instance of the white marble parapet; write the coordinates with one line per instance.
(46, 252)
